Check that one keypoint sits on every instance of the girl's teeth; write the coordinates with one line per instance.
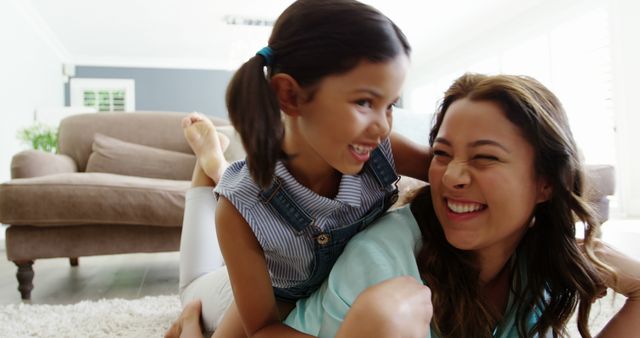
(360, 149)
(462, 208)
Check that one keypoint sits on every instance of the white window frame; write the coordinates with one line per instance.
(77, 86)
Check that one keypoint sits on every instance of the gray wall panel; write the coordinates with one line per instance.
(169, 89)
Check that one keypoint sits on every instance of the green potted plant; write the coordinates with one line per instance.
(40, 137)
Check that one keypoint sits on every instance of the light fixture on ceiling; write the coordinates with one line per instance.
(235, 20)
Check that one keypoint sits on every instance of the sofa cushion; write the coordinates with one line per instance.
(114, 156)
(155, 129)
(92, 198)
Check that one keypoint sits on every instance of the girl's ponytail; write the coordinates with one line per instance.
(311, 39)
(254, 111)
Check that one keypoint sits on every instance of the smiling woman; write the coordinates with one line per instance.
(506, 186)
(493, 237)
(483, 170)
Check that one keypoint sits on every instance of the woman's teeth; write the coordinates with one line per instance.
(361, 150)
(462, 208)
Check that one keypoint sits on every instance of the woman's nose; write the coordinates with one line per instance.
(456, 176)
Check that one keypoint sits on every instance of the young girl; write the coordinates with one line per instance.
(319, 167)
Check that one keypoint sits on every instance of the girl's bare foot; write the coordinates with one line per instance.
(207, 144)
(188, 324)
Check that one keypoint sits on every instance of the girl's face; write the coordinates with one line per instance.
(483, 183)
(349, 115)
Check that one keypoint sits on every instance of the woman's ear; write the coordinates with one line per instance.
(288, 92)
(544, 190)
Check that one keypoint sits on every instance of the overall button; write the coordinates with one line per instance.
(323, 239)
(394, 198)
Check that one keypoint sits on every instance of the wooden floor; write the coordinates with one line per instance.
(116, 276)
(138, 275)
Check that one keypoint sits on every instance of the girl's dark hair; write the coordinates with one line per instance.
(560, 274)
(310, 40)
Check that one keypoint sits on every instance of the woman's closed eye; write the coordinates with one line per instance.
(485, 158)
(440, 153)
(441, 156)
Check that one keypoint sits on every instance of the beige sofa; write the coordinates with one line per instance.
(116, 186)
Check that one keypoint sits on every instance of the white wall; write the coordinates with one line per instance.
(462, 50)
(626, 53)
(625, 49)
(483, 49)
(30, 77)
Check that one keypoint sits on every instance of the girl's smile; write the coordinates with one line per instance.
(362, 152)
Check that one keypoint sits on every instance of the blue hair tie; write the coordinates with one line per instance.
(267, 54)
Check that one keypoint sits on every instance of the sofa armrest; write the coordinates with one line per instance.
(601, 179)
(34, 163)
(600, 184)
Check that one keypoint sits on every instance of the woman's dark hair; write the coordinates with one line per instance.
(560, 274)
(310, 40)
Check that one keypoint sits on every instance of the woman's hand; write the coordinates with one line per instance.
(398, 307)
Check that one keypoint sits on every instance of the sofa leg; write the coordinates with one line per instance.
(25, 278)
(73, 261)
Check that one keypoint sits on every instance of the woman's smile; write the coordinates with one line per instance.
(458, 210)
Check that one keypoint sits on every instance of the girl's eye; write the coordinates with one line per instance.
(391, 106)
(364, 103)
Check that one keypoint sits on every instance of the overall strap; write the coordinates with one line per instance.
(380, 167)
(287, 208)
(275, 195)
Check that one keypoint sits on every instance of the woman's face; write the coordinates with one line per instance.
(483, 183)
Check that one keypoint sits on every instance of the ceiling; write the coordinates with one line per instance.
(194, 34)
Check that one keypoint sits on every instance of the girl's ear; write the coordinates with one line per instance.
(544, 190)
(288, 92)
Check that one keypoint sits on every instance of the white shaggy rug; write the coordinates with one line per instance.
(140, 318)
(152, 316)
(601, 312)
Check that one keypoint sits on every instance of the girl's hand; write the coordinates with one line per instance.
(627, 282)
(627, 269)
(188, 324)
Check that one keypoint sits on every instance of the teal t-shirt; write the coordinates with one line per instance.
(385, 250)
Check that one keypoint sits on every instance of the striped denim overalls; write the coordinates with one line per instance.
(328, 244)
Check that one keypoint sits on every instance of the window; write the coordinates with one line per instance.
(573, 59)
(103, 94)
